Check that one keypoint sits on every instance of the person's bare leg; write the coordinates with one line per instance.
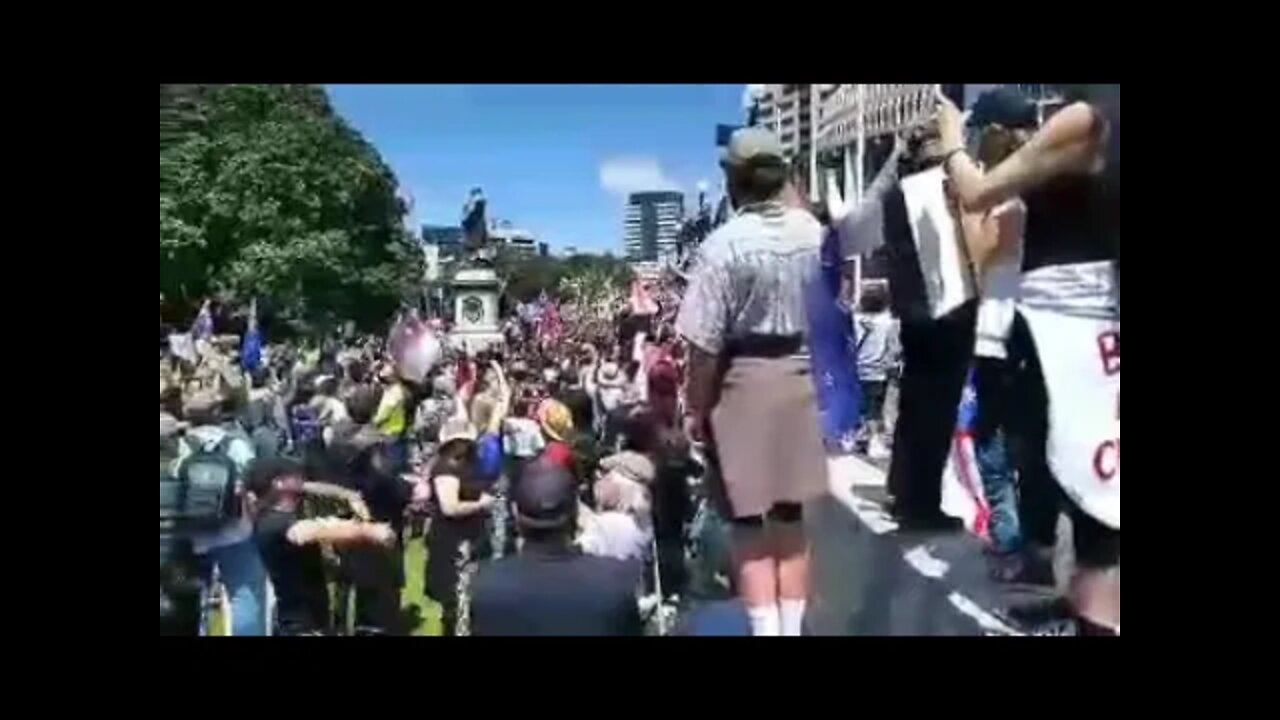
(757, 572)
(791, 546)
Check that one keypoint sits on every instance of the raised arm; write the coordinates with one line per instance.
(329, 490)
(1070, 142)
(340, 532)
(860, 229)
(504, 401)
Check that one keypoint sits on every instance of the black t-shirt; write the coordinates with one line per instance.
(554, 593)
(296, 571)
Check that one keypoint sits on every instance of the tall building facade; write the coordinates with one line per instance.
(792, 112)
(651, 225)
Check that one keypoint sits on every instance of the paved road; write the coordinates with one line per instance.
(872, 579)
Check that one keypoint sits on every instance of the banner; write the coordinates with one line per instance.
(1079, 353)
(1080, 358)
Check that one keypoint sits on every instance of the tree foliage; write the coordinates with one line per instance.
(266, 192)
(582, 276)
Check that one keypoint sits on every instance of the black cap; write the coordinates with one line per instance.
(546, 496)
(1004, 106)
(263, 473)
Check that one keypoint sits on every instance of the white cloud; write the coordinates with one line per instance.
(625, 175)
(750, 93)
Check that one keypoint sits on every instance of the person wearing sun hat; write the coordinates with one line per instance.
(457, 538)
(557, 425)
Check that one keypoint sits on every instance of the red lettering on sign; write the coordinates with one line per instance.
(1103, 464)
(1109, 350)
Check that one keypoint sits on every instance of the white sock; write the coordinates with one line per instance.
(792, 616)
(765, 621)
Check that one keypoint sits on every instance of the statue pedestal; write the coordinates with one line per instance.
(475, 310)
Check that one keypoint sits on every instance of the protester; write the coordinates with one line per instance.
(878, 351)
(456, 539)
(290, 545)
(230, 548)
(392, 417)
(767, 475)
(523, 439)
(622, 525)
(1067, 174)
(936, 333)
(1005, 120)
(551, 588)
(557, 426)
(376, 572)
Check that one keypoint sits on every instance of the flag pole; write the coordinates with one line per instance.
(813, 143)
(860, 143)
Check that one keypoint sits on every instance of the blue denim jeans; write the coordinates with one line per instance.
(998, 486)
(245, 578)
(993, 379)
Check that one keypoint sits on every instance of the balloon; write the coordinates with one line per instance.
(415, 349)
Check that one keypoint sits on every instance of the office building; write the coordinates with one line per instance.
(448, 238)
(504, 236)
(789, 111)
(651, 225)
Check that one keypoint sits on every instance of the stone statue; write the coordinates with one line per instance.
(475, 230)
(476, 286)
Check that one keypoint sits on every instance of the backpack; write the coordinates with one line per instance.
(200, 496)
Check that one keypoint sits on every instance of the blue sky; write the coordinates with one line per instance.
(555, 159)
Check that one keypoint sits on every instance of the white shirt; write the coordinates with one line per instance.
(523, 437)
(1001, 283)
(613, 534)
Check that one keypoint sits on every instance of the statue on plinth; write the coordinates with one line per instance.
(475, 231)
(476, 285)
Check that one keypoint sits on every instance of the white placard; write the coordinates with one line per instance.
(948, 281)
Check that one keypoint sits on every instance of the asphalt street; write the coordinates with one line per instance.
(870, 578)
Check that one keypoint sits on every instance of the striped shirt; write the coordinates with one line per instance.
(750, 278)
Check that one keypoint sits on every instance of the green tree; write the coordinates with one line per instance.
(583, 277)
(266, 192)
(525, 278)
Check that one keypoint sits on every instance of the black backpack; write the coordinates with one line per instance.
(200, 496)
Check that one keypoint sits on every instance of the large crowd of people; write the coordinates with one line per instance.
(578, 477)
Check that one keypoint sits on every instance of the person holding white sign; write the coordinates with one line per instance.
(1068, 176)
